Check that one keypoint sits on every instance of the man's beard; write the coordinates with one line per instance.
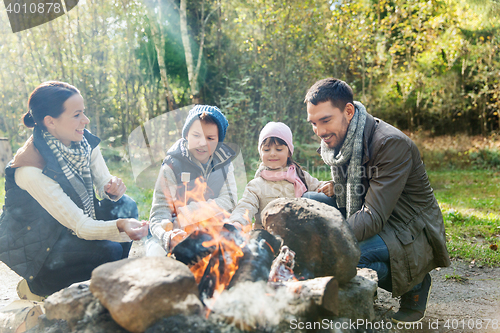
(327, 153)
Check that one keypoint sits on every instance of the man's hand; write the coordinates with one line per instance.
(133, 228)
(115, 188)
(327, 189)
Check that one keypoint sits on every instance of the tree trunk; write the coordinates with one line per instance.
(166, 94)
(187, 50)
(5, 154)
(159, 42)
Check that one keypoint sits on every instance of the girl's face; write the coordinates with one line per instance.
(70, 124)
(274, 156)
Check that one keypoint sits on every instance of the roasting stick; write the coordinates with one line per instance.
(185, 178)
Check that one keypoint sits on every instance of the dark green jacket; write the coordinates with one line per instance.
(399, 205)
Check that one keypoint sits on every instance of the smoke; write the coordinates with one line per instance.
(252, 305)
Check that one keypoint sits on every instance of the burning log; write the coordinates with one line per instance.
(253, 261)
(257, 259)
(191, 250)
(219, 260)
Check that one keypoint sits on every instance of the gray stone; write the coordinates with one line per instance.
(70, 303)
(358, 295)
(323, 242)
(19, 316)
(139, 292)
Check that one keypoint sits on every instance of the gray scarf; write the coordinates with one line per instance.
(75, 163)
(346, 186)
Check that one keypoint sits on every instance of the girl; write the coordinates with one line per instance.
(53, 230)
(278, 176)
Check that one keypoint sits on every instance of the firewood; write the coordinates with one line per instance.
(218, 271)
(256, 262)
(191, 250)
(323, 291)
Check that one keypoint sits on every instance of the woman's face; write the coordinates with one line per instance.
(70, 124)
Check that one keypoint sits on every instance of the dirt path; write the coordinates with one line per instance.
(455, 305)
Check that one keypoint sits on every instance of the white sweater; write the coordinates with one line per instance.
(57, 203)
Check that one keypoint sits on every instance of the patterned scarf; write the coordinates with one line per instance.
(346, 186)
(75, 163)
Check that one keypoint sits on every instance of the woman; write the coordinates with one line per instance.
(53, 230)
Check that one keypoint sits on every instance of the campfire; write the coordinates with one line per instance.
(227, 262)
(217, 253)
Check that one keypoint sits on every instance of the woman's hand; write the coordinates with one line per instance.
(133, 228)
(327, 189)
(115, 188)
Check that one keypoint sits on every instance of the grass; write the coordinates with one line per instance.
(142, 196)
(455, 277)
(469, 200)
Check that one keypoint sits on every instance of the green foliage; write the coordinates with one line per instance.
(431, 65)
(485, 159)
(481, 159)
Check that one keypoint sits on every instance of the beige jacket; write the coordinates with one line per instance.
(259, 192)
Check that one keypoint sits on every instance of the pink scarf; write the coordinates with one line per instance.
(290, 175)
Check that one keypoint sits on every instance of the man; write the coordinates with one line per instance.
(382, 189)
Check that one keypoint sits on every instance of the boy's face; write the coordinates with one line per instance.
(202, 140)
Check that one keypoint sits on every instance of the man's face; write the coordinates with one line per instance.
(329, 122)
(202, 140)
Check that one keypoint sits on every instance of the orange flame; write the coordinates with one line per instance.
(209, 217)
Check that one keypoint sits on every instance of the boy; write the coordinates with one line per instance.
(200, 156)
